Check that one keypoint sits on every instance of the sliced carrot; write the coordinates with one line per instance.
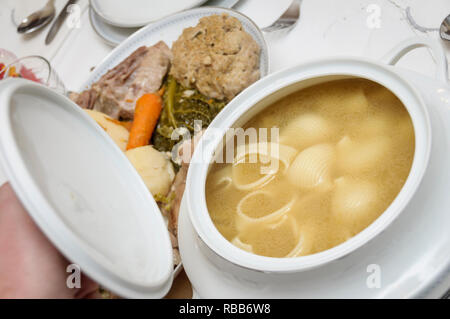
(146, 114)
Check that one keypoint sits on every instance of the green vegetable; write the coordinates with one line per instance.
(165, 202)
(182, 106)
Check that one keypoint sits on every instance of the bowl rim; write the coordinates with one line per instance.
(258, 92)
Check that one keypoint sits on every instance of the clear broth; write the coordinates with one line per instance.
(354, 146)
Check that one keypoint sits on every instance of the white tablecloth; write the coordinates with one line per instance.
(326, 28)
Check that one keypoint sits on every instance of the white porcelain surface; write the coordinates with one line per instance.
(112, 35)
(82, 191)
(412, 253)
(136, 13)
(168, 30)
(221, 3)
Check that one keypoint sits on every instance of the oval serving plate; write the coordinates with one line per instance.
(168, 30)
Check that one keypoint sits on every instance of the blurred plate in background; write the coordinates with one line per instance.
(111, 34)
(137, 13)
(114, 35)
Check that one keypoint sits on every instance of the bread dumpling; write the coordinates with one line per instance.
(354, 202)
(313, 168)
(356, 156)
(306, 130)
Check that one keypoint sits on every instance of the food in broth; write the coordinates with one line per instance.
(345, 151)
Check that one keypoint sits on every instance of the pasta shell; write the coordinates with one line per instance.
(221, 178)
(357, 156)
(244, 220)
(306, 130)
(305, 243)
(313, 168)
(248, 170)
(355, 102)
(353, 202)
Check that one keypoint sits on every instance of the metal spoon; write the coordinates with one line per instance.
(38, 19)
(444, 30)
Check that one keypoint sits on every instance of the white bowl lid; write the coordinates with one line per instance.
(82, 192)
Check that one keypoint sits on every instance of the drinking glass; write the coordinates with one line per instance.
(35, 68)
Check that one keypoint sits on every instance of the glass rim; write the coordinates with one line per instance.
(50, 70)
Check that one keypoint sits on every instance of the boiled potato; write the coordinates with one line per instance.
(154, 167)
(117, 132)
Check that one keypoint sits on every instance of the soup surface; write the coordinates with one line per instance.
(344, 151)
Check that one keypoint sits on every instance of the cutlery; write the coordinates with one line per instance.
(38, 19)
(445, 29)
(221, 3)
(58, 22)
(288, 19)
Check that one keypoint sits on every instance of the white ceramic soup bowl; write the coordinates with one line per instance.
(263, 94)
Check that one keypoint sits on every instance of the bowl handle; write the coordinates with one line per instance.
(394, 55)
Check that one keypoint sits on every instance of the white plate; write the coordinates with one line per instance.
(136, 13)
(109, 33)
(114, 35)
(168, 30)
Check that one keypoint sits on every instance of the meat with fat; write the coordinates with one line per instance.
(116, 92)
